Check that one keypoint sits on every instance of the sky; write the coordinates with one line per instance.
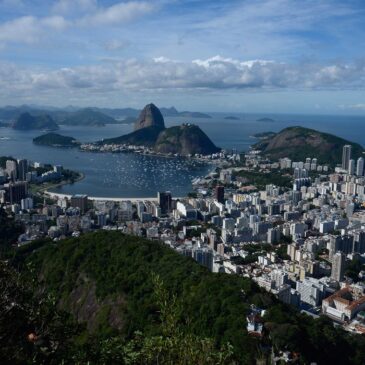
(264, 56)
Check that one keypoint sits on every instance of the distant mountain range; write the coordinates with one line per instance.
(88, 116)
(27, 121)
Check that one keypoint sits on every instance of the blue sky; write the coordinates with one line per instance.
(288, 56)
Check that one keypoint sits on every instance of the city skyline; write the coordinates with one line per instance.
(238, 56)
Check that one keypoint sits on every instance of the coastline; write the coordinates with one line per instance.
(157, 154)
(61, 183)
(95, 198)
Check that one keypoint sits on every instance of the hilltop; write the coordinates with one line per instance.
(88, 117)
(27, 121)
(55, 140)
(150, 131)
(298, 143)
(150, 116)
(185, 139)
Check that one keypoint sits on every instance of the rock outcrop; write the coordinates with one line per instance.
(150, 116)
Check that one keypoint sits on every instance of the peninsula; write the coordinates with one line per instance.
(150, 131)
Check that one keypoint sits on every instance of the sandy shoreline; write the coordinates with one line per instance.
(95, 198)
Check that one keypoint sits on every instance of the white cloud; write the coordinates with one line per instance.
(116, 44)
(28, 29)
(215, 73)
(74, 6)
(118, 13)
(31, 29)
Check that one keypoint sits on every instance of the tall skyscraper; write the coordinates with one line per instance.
(165, 201)
(22, 169)
(79, 201)
(11, 169)
(351, 169)
(346, 156)
(338, 266)
(219, 193)
(360, 167)
(16, 191)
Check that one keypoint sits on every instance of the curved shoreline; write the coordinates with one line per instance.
(95, 198)
(61, 183)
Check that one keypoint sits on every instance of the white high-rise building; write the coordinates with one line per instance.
(351, 169)
(360, 167)
(346, 156)
(338, 266)
(11, 169)
(26, 203)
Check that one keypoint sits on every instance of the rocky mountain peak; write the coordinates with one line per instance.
(150, 116)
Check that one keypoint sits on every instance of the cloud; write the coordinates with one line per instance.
(118, 13)
(216, 73)
(29, 29)
(67, 7)
(116, 45)
(85, 13)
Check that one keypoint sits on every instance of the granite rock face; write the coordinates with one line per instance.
(150, 116)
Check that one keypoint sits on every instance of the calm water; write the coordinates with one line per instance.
(129, 175)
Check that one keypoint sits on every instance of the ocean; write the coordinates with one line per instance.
(131, 175)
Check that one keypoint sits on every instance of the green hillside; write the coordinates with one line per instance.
(115, 285)
(298, 143)
(55, 140)
(142, 137)
(185, 139)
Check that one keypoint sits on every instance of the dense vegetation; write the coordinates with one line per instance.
(261, 179)
(185, 139)
(298, 143)
(143, 303)
(142, 137)
(55, 139)
(27, 121)
(9, 233)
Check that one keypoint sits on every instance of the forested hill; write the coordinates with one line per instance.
(298, 143)
(115, 285)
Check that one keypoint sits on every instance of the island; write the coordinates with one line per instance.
(27, 121)
(230, 117)
(298, 143)
(265, 120)
(195, 115)
(173, 112)
(55, 140)
(150, 132)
